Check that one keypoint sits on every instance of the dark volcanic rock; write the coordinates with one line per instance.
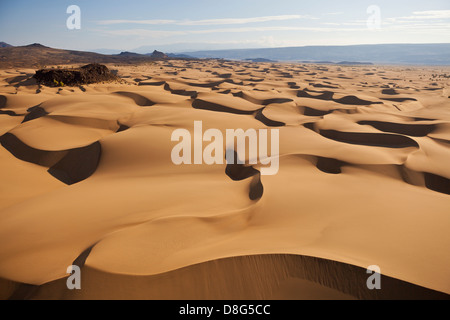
(5, 45)
(129, 54)
(91, 73)
(159, 55)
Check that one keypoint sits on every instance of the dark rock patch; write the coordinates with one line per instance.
(91, 73)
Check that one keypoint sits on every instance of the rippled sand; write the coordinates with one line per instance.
(87, 177)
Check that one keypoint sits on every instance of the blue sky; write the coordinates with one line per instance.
(178, 25)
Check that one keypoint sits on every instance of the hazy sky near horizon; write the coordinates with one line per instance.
(200, 24)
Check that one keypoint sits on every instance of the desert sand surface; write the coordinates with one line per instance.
(87, 179)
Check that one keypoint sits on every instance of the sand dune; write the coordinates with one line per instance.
(363, 180)
(278, 277)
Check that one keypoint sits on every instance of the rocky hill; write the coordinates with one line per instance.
(38, 56)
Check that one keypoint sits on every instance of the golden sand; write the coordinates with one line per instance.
(363, 178)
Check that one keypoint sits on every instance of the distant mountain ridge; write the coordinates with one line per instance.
(260, 60)
(4, 45)
(37, 55)
(158, 55)
(418, 54)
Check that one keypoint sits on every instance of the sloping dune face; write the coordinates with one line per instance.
(87, 178)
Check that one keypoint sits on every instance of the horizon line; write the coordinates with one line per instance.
(230, 49)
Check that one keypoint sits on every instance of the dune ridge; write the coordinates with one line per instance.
(278, 277)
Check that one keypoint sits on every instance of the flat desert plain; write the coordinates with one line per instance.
(87, 179)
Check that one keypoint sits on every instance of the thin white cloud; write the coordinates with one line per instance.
(209, 22)
(431, 22)
(423, 15)
(149, 22)
(435, 14)
(360, 23)
(143, 33)
(420, 27)
(161, 34)
(241, 21)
